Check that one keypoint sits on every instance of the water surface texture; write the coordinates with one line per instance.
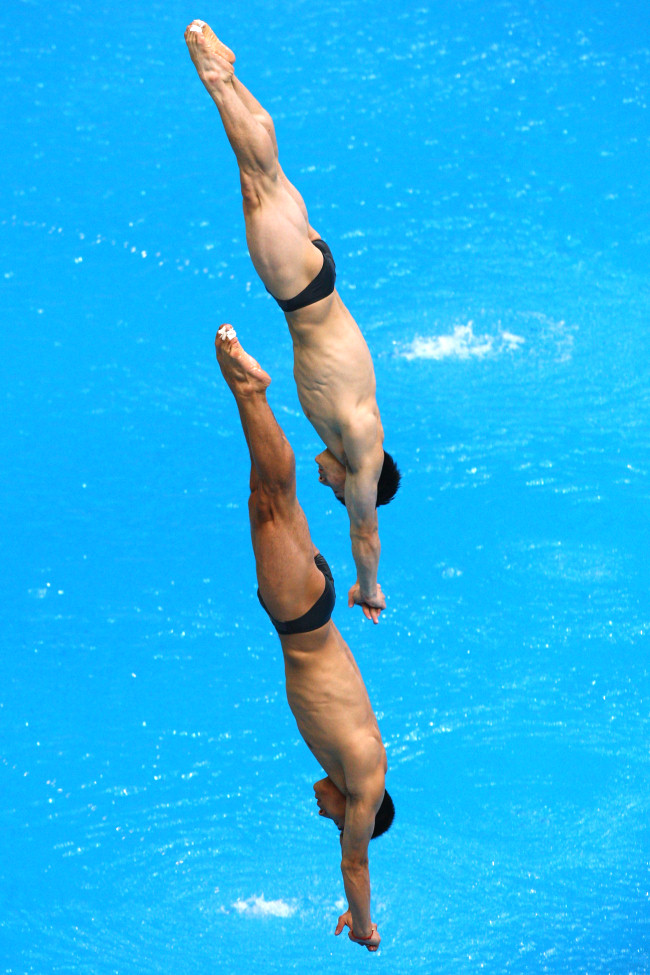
(481, 174)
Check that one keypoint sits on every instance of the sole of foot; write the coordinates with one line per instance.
(240, 370)
(212, 59)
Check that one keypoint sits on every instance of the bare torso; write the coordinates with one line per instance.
(331, 706)
(333, 370)
(333, 367)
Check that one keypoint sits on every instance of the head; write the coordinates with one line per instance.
(388, 482)
(331, 804)
(330, 801)
(385, 816)
(332, 472)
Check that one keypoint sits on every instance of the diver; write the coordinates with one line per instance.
(333, 368)
(324, 686)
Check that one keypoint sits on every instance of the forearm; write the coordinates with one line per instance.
(366, 549)
(356, 880)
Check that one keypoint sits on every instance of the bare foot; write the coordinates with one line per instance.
(212, 59)
(222, 49)
(240, 370)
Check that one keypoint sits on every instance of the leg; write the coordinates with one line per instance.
(257, 111)
(265, 119)
(289, 581)
(277, 229)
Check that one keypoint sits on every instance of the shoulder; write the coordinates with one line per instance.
(364, 768)
(363, 436)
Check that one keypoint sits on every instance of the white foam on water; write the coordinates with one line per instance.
(462, 344)
(260, 907)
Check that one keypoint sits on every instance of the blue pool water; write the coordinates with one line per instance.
(480, 172)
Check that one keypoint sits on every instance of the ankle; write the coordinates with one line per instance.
(249, 395)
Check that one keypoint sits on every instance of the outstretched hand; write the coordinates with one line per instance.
(371, 943)
(371, 606)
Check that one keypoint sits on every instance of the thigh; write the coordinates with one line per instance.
(279, 243)
(287, 576)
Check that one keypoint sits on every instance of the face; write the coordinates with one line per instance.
(330, 801)
(331, 472)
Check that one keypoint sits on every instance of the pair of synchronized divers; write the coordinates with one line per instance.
(336, 387)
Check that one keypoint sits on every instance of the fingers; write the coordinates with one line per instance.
(342, 922)
(371, 612)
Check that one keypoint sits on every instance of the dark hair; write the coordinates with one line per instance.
(389, 479)
(387, 484)
(385, 816)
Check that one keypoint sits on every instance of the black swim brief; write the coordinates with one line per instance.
(320, 612)
(320, 287)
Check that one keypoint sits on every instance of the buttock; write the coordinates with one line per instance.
(319, 614)
(321, 286)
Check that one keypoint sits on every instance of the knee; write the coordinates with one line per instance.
(250, 192)
(264, 119)
(261, 509)
(258, 512)
(267, 499)
(257, 186)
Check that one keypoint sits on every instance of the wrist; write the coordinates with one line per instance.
(368, 592)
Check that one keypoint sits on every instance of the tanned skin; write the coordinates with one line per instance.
(325, 690)
(333, 368)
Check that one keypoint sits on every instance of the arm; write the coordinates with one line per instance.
(359, 823)
(360, 811)
(363, 470)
